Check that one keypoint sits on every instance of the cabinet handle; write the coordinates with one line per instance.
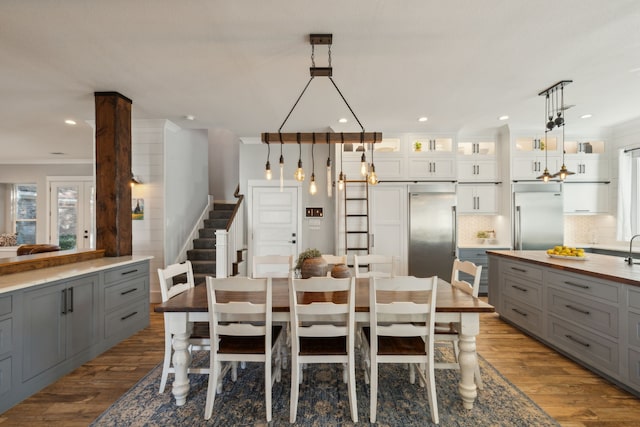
(70, 295)
(521, 270)
(478, 202)
(64, 301)
(124, 273)
(519, 288)
(585, 344)
(521, 313)
(129, 291)
(434, 167)
(577, 285)
(570, 307)
(129, 315)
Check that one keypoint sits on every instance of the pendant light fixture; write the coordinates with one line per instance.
(329, 180)
(546, 176)
(557, 120)
(372, 178)
(342, 177)
(331, 137)
(313, 189)
(267, 167)
(281, 167)
(299, 174)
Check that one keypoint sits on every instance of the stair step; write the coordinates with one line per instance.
(204, 243)
(223, 214)
(216, 223)
(201, 255)
(204, 267)
(223, 206)
(207, 233)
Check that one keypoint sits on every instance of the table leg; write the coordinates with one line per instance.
(181, 362)
(467, 358)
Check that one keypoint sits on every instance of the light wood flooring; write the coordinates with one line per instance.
(569, 393)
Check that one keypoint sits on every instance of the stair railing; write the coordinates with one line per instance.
(230, 240)
(188, 244)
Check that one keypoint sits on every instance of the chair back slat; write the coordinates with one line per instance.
(242, 329)
(240, 307)
(166, 279)
(378, 265)
(472, 272)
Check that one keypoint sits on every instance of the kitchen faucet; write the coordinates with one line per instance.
(630, 259)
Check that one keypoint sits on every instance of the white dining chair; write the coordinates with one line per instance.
(175, 279)
(271, 266)
(401, 331)
(322, 331)
(465, 276)
(374, 265)
(242, 331)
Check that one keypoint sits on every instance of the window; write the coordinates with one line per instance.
(24, 212)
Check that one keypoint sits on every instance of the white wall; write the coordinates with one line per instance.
(186, 186)
(224, 177)
(37, 174)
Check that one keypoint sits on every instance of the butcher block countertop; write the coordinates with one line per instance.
(601, 266)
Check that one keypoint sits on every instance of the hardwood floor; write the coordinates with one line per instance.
(569, 393)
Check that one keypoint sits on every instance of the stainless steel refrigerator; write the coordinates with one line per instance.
(538, 221)
(432, 229)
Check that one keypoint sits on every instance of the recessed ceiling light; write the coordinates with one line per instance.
(342, 120)
(505, 117)
(70, 122)
(585, 116)
(57, 153)
(423, 119)
(190, 117)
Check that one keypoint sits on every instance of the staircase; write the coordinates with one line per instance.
(203, 254)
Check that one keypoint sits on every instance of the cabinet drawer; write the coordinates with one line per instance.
(6, 305)
(524, 291)
(522, 270)
(525, 316)
(577, 283)
(593, 349)
(5, 375)
(633, 298)
(126, 272)
(128, 318)
(125, 292)
(588, 313)
(634, 368)
(633, 329)
(6, 335)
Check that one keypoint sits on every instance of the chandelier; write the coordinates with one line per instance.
(554, 109)
(326, 137)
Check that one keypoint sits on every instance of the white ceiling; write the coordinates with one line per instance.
(240, 65)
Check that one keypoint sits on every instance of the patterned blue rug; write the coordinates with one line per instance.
(324, 401)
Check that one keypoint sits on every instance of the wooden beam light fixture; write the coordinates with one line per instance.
(329, 137)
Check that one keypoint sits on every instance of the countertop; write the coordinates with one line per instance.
(600, 266)
(16, 281)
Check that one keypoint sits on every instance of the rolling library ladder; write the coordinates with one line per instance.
(356, 219)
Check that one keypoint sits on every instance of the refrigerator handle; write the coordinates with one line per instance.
(454, 235)
(517, 244)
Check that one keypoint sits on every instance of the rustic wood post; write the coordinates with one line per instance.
(113, 173)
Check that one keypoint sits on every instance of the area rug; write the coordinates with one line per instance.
(324, 401)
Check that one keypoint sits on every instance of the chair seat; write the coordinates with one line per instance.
(323, 345)
(247, 345)
(389, 346)
(200, 330)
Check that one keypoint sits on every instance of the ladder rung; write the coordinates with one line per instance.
(357, 215)
(357, 249)
(357, 232)
(355, 199)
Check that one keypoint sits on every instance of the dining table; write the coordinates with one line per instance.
(452, 305)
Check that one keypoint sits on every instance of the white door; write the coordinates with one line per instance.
(274, 225)
(72, 218)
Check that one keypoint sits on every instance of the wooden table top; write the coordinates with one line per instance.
(448, 299)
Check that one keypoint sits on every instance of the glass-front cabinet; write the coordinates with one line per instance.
(533, 145)
(478, 148)
(432, 145)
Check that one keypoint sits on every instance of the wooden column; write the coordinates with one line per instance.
(113, 173)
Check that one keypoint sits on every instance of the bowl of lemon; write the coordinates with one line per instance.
(567, 252)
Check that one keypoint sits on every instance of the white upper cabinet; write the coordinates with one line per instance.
(585, 198)
(587, 159)
(477, 161)
(478, 199)
(530, 156)
(533, 145)
(431, 145)
(477, 148)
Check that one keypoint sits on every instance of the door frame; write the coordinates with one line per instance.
(52, 179)
(258, 183)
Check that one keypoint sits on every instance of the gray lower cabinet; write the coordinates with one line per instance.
(478, 256)
(594, 321)
(47, 330)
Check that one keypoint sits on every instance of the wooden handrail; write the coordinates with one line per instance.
(240, 198)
